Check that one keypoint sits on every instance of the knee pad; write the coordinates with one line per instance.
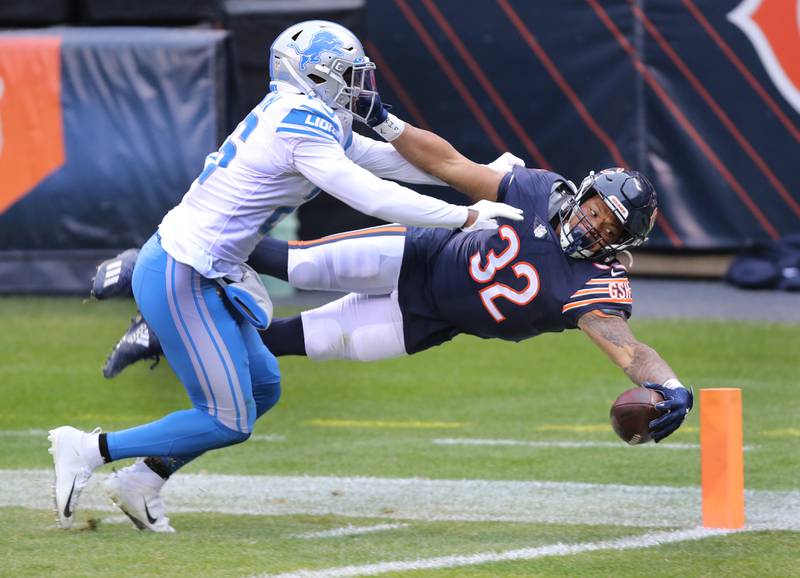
(324, 338)
(307, 269)
(362, 264)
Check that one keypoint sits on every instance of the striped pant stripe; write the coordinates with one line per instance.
(209, 355)
(382, 230)
(236, 398)
(188, 343)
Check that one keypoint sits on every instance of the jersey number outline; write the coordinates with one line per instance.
(494, 263)
(226, 153)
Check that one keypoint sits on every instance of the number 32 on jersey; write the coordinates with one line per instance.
(485, 273)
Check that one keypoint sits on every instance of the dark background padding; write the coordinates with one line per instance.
(149, 12)
(16, 13)
(465, 69)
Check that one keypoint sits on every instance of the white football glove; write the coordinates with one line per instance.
(488, 211)
(505, 163)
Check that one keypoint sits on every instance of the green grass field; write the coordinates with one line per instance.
(349, 423)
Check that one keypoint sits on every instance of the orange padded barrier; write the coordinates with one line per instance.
(722, 457)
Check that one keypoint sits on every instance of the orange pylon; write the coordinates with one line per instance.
(722, 457)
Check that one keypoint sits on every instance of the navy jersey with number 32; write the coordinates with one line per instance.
(511, 283)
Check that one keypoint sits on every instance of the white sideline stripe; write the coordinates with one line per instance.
(558, 549)
(564, 444)
(421, 499)
(121, 519)
(267, 438)
(349, 530)
(22, 432)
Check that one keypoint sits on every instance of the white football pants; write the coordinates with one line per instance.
(366, 324)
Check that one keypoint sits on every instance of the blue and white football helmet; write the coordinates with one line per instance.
(325, 60)
(629, 196)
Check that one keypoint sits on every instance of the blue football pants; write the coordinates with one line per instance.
(229, 374)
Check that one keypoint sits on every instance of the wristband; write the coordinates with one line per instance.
(673, 383)
(391, 128)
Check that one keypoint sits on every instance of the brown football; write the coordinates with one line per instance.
(632, 413)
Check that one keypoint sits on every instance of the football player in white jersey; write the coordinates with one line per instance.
(191, 282)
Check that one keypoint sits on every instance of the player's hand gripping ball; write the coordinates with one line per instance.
(632, 413)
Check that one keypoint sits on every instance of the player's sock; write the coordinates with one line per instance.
(285, 337)
(265, 396)
(91, 450)
(166, 466)
(181, 433)
(271, 257)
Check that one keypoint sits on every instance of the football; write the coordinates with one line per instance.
(631, 413)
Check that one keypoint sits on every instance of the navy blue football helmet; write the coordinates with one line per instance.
(629, 196)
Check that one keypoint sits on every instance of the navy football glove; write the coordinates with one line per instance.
(678, 401)
(370, 107)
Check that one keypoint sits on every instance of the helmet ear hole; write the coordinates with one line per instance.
(316, 79)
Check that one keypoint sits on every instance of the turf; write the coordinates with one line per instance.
(347, 419)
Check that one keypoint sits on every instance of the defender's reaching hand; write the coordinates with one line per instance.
(485, 213)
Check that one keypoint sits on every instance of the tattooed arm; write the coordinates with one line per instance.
(640, 362)
(643, 366)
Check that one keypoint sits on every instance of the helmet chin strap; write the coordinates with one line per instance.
(301, 83)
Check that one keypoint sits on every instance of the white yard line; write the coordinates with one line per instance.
(267, 438)
(423, 499)
(350, 530)
(121, 519)
(22, 432)
(627, 543)
(566, 444)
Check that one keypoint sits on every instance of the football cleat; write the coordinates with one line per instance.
(113, 276)
(139, 342)
(72, 471)
(135, 490)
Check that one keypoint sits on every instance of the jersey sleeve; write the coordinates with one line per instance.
(309, 122)
(323, 162)
(608, 293)
(381, 159)
(529, 190)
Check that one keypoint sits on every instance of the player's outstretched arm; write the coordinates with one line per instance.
(434, 155)
(643, 365)
(431, 153)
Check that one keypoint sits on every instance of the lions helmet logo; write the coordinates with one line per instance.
(772, 26)
(322, 41)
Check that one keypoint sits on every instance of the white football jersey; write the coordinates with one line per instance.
(281, 155)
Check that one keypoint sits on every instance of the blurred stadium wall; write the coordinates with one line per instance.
(108, 108)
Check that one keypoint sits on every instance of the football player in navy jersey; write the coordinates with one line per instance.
(411, 288)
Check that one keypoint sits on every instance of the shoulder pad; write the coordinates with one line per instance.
(311, 122)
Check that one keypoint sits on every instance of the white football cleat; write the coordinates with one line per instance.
(72, 471)
(136, 491)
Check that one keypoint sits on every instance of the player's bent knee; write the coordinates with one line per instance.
(266, 397)
(324, 339)
(233, 437)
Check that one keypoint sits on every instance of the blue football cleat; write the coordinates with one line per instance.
(139, 342)
(113, 276)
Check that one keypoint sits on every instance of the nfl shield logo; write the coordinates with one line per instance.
(540, 231)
